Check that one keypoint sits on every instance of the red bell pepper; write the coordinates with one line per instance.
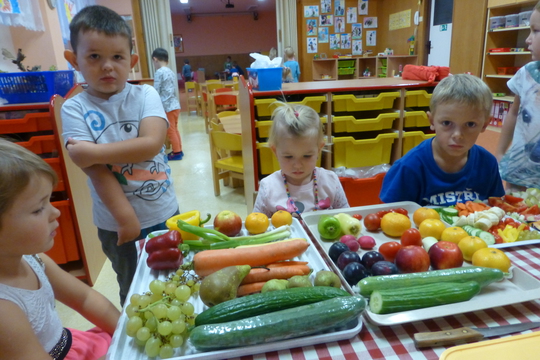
(163, 251)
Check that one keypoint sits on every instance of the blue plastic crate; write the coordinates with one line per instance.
(265, 79)
(32, 87)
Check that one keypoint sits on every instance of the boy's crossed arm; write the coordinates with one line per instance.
(92, 159)
(151, 137)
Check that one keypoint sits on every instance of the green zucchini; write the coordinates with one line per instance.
(262, 303)
(481, 275)
(422, 296)
(278, 325)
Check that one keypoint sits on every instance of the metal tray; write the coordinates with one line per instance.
(123, 347)
(519, 288)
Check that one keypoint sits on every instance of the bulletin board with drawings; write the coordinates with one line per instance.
(352, 27)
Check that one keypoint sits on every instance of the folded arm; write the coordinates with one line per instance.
(152, 133)
(111, 193)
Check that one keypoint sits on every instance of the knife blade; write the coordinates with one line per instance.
(445, 337)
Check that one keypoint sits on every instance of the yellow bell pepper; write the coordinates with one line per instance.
(510, 234)
(191, 217)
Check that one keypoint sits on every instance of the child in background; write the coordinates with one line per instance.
(186, 70)
(449, 168)
(114, 132)
(521, 128)
(292, 64)
(30, 281)
(296, 138)
(165, 84)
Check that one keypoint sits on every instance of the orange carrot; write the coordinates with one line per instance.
(248, 289)
(280, 272)
(461, 206)
(207, 262)
(286, 263)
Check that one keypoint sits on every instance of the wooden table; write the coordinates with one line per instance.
(232, 124)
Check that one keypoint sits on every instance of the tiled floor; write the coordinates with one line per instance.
(193, 185)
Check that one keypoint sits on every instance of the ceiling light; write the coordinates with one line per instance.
(184, 1)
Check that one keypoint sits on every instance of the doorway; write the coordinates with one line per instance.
(440, 32)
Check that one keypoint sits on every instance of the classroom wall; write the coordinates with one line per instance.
(385, 38)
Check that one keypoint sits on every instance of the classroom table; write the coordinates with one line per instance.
(396, 342)
(232, 124)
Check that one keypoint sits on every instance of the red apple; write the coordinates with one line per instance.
(228, 223)
(445, 255)
(412, 258)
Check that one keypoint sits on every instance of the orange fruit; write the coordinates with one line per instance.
(491, 258)
(424, 213)
(453, 234)
(281, 217)
(431, 227)
(469, 245)
(256, 223)
(395, 224)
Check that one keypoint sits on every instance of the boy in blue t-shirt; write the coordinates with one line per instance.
(449, 168)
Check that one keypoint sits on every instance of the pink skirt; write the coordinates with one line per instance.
(88, 345)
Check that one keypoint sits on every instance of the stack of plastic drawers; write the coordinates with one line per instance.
(32, 129)
(346, 69)
(416, 123)
(362, 128)
(263, 113)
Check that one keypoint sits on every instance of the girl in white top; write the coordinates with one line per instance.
(297, 138)
(29, 283)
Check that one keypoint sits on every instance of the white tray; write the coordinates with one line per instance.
(520, 288)
(123, 347)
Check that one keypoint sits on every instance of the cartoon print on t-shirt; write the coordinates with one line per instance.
(149, 176)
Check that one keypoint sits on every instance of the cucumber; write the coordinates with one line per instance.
(487, 237)
(260, 303)
(450, 211)
(278, 325)
(421, 296)
(482, 275)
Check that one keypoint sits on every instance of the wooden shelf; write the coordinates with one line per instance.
(375, 64)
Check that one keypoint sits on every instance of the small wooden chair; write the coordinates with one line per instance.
(191, 96)
(226, 155)
(222, 101)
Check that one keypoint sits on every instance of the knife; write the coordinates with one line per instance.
(445, 337)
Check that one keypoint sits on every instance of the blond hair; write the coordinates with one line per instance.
(463, 89)
(17, 167)
(294, 121)
(289, 52)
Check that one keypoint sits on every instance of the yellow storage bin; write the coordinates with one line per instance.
(352, 153)
(417, 98)
(351, 124)
(349, 102)
(263, 127)
(265, 107)
(416, 119)
(268, 162)
(412, 139)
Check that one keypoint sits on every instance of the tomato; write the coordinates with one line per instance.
(389, 250)
(381, 213)
(401, 211)
(357, 216)
(372, 222)
(498, 238)
(411, 237)
(512, 199)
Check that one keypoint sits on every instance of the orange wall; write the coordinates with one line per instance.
(231, 34)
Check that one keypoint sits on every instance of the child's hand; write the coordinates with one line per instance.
(81, 152)
(128, 231)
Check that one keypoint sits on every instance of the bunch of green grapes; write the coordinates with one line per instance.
(528, 235)
(159, 319)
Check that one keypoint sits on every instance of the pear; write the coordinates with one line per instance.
(274, 285)
(299, 281)
(222, 285)
(327, 278)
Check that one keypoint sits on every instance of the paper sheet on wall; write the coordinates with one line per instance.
(312, 45)
(400, 20)
(371, 38)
